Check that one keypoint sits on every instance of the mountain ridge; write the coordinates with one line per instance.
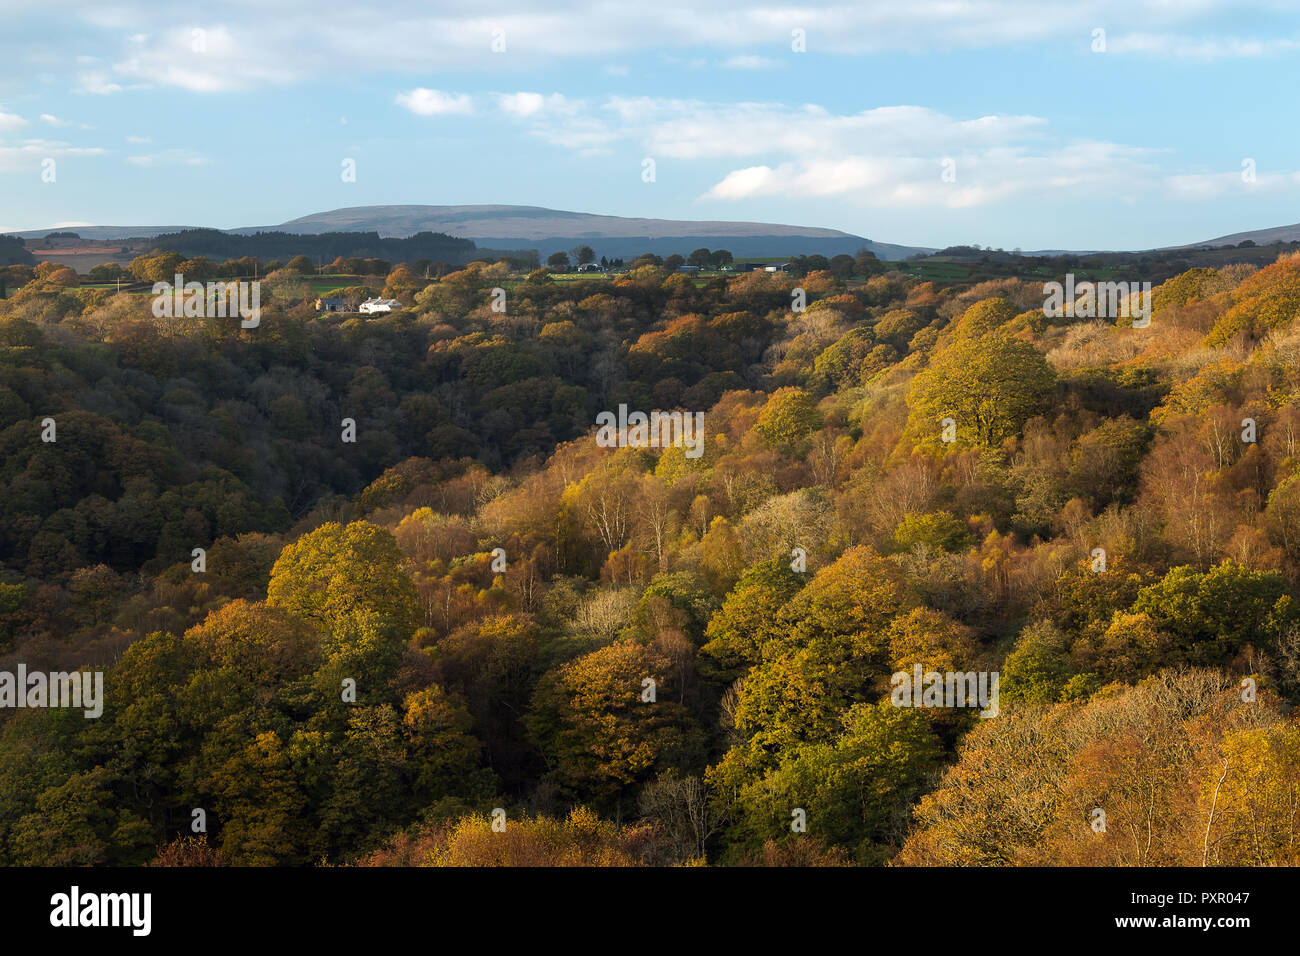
(505, 226)
(1262, 237)
(495, 226)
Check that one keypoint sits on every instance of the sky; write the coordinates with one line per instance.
(1086, 124)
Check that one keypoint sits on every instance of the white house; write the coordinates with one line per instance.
(379, 305)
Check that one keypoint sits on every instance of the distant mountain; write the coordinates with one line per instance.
(505, 227)
(103, 232)
(550, 230)
(554, 230)
(1261, 237)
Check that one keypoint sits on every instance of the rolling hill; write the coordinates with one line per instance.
(551, 230)
(1261, 237)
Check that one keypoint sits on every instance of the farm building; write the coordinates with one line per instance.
(379, 305)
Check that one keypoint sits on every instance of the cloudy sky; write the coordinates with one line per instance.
(1081, 124)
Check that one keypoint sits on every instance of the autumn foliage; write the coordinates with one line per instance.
(641, 656)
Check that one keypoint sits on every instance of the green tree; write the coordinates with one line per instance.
(1214, 614)
(748, 623)
(788, 420)
(940, 530)
(601, 734)
(989, 386)
(856, 790)
(331, 572)
(1037, 670)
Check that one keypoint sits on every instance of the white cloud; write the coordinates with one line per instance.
(1199, 187)
(11, 121)
(50, 120)
(881, 180)
(979, 176)
(302, 41)
(888, 156)
(743, 183)
(28, 156)
(560, 121)
(424, 102)
(524, 105)
(694, 130)
(204, 60)
(95, 83)
(1175, 46)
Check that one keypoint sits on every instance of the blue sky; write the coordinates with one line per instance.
(237, 114)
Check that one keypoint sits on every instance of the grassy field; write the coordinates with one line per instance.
(84, 256)
(323, 285)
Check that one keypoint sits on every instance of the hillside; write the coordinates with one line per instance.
(510, 227)
(553, 230)
(356, 583)
(549, 230)
(1261, 237)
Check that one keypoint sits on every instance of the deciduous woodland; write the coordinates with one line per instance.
(633, 656)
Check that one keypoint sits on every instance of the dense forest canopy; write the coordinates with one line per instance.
(473, 612)
(214, 243)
